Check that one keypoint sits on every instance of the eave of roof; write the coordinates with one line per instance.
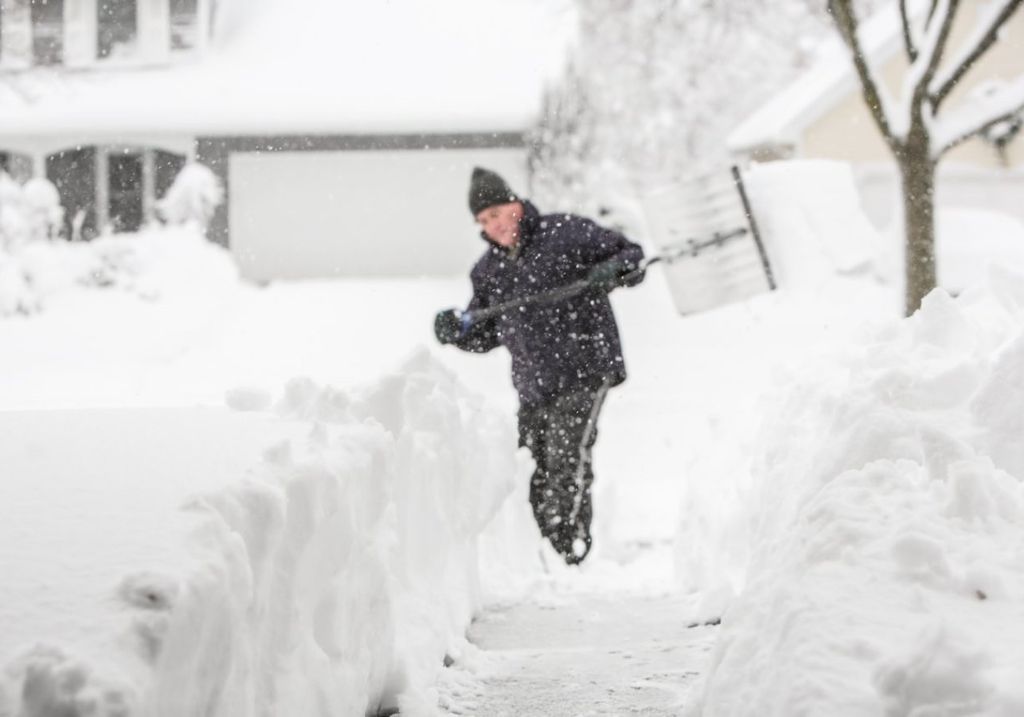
(320, 67)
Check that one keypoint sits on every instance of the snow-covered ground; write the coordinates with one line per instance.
(845, 485)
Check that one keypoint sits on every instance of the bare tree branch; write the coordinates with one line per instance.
(911, 50)
(846, 22)
(989, 38)
(980, 129)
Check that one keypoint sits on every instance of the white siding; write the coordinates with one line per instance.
(154, 31)
(80, 22)
(16, 38)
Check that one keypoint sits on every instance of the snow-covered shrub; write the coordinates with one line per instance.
(29, 212)
(16, 294)
(12, 214)
(193, 197)
(160, 262)
(43, 209)
(156, 264)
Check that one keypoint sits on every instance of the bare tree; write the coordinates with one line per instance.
(916, 129)
(656, 87)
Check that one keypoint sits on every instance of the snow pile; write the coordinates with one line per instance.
(886, 542)
(813, 227)
(404, 578)
(29, 214)
(810, 217)
(156, 264)
(332, 580)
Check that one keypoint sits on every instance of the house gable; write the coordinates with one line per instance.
(822, 114)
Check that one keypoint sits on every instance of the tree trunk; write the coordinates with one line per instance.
(917, 171)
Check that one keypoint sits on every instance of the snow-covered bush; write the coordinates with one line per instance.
(29, 212)
(157, 263)
(193, 197)
(43, 209)
(12, 214)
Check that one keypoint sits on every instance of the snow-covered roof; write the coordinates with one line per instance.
(319, 66)
(832, 77)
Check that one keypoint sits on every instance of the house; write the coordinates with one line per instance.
(822, 115)
(344, 131)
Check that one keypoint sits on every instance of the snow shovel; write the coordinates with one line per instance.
(690, 247)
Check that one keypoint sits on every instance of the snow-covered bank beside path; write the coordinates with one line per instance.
(322, 560)
(886, 526)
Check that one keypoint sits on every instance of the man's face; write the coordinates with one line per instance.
(501, 223)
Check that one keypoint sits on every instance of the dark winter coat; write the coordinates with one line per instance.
(563, 346)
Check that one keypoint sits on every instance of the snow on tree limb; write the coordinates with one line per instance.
(909, 43)
(874, 93)
(983, 37)
(924, 68)
(976, 117)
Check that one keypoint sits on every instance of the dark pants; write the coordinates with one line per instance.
(560, 435)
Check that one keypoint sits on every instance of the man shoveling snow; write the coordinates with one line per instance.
(540, 290)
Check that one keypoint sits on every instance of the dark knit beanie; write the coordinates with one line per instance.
(487, 189)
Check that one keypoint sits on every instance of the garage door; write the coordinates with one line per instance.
(359, 213)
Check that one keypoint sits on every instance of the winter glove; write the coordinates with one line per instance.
(607, 274)
(449, 325)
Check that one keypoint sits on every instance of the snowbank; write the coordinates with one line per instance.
(814, 228)
(970, 242)
(159, 263)
(886, 539)
(329, 578)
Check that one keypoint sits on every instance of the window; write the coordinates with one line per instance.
(117, 28)
(73, 172)
(47, 31)
(109, 187)
(184, 24)
(125, 191)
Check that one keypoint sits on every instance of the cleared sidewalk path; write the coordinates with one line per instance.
(616, 655)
